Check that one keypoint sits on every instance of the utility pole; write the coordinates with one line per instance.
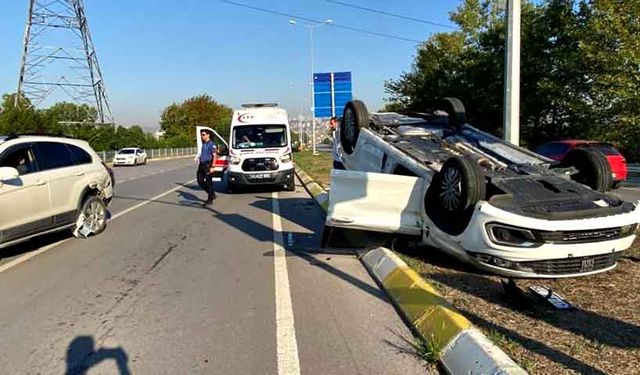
(59, 58)
(310, 27)
(512, 74)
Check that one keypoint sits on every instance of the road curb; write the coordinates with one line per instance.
(463, 348)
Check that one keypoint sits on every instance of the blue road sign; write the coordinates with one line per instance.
(331, 91)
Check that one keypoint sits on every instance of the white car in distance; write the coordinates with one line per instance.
(130, 156)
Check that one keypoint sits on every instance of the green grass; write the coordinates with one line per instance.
(428, 350)
(317, 166)
(633, 252)
(501, 340)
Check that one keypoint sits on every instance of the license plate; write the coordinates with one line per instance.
(259, 176)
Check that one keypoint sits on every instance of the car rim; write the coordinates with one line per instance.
(451, 189)
(350, 126)
(94, 216)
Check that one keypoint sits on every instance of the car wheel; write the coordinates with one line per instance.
(453, 194)
(457, 114)
(290, 185)
(144, 161)
(92, 218)
(354, 118)
(232, 188)
(593, 168)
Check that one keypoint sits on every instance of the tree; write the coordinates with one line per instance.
(20, 119)
(580, 70)
(610, 47)
(179, 121)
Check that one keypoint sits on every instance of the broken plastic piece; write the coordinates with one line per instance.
(551, 297)
(81, 231)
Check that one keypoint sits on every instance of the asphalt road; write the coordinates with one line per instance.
(174, 288)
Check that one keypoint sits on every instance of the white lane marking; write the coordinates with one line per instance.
(41, 250)
(287, 346)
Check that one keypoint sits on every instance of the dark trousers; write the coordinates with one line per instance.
(338, 165)
(204, 180)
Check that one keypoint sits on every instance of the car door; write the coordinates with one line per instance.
(222, 161)
(24, 200)
(66, 178)
(361, 203)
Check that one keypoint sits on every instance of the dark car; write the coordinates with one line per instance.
(560, 150)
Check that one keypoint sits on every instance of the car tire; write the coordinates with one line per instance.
(457, 113)
(93, 213)
(593, 168)
(144, 161)
(290, 185)
(231, 188)
(354, 118)
(453, 194)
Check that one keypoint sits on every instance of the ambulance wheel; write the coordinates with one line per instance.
(354, 118)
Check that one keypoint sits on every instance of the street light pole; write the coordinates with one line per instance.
(310, 27)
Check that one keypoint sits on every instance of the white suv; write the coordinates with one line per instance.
(49, 184)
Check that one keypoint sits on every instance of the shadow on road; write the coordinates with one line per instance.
(82, 355)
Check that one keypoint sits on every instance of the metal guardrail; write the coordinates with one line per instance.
(633, 169)
(107, 156)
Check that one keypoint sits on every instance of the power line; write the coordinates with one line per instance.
(288, 15)
(391, 14)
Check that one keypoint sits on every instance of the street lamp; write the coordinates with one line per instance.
(310, 27)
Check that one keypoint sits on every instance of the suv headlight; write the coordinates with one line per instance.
(234, 160)
(512, 236)
(285, 158)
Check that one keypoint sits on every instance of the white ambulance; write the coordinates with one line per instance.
(260, 147)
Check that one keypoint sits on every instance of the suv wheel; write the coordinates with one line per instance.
(593, 168)
(355, 117)
(92, 218)
(453, 194)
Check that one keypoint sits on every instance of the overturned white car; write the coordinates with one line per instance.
(498, 206)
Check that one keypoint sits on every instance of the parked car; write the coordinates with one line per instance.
(130, 156)
(564, 151)
(440, 181)
(49, 184)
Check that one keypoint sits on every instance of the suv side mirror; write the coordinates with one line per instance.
(8, 173)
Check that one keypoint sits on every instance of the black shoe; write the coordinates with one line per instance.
(208, 202)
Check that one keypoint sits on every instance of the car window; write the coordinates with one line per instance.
(126, 151)
(80, 156)
(20, 158)
(51, 155)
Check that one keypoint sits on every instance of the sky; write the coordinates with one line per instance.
(153, 53)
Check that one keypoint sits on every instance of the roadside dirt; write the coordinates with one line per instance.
(601, 335)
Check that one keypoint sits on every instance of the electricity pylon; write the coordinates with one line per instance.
(59, 58)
